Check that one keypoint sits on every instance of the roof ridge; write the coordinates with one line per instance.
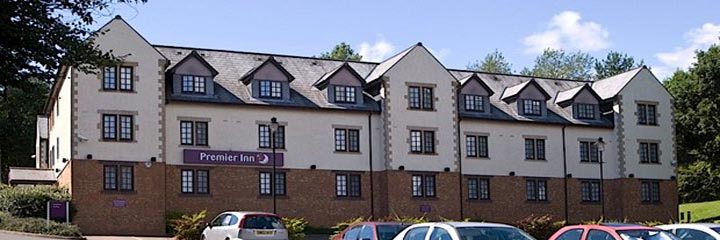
(517, 75)
(260, 53)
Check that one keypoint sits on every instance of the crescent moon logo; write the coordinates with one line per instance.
(265, 159)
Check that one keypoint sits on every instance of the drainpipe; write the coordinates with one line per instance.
(370, 164)
(565, 173)
(460, 173)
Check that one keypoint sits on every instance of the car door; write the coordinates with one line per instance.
(570, 234)
(213, 230)
(230, 227)
(692, 234)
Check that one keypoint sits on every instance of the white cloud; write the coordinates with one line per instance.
(567, 31)
(377, 51)
(683, 57)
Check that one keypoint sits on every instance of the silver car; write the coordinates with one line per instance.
(694, 231)
(462, 231)
(245, 226)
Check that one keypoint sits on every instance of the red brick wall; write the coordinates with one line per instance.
(400, 201)
(65, 177)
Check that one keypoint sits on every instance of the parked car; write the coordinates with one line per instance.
(371, 231)
(611, 231)
(246, 226)
(462, 231)
(694, 231)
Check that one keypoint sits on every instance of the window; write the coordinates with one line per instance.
(585, 111)
(692, 234)
(57, 143)
(477, 146)
(650, 191)
(194, 133)
(264, 136)
(417, 233)
(599, 235)
(420, 98)
(589, 151)
(193, 84)
(195, 181)
(367, 233)
(478, 188)
(114, 131)
(536, 190)
(422, 141)
(353, 233)
(111, 76)
(649, 152)
(345, 94)
(348, 185)
(270, 89)
(118, 177)
(347, 140)
(532, 107)
(590, 191)
(572, 234)
(647, 114)
(126, 78)
(474, 103)
(440, 233)
(266, 183)
(534, 149)
(423, 185)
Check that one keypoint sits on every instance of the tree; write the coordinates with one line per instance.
(696, 94)
(698, 182)
(342, 51)
(494, 63)
(560, 64)
(615, 63)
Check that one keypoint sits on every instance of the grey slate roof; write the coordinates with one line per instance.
(609, 87)
(31, 174)
(384, 66)
(567, 95)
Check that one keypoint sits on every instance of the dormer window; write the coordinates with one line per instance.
(474, 103)
(345, 94)
(532, 107)
(585, 111)
(270, 89)
(193, 84)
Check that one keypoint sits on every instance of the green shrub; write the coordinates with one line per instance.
(30, 201)
(339, 227)
(698, 182)
(295, 228)
(652, 223)
(189, 227)
(37, 225)
(169, 217)
(540, 227)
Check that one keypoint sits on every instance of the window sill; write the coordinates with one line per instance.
(537, 202)
(421, 109)
(650, 163)
(271, 197)
(478, 158)
(590, 163)
(479, 200)
(193, 146)
(118, 192)
(651, 203)
(590, 202)
(349, 198)
(536, 160)
(416, 198)
(347, 152)
(648, 125)
(195, 195)
(270, 149)
(117, 141)
(117, 91)
(421, 153)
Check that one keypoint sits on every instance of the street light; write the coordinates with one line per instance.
(601, 148)
(273, 129)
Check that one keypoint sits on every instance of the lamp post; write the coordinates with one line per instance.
(273, 129)
(601, 148)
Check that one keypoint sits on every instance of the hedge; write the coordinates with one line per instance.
(30, 201)
(37, 225)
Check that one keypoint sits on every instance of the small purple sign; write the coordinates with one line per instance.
(231, 157)
(58, 209)
(424, 208)
(119, 203)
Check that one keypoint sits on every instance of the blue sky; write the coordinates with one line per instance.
(663, 34)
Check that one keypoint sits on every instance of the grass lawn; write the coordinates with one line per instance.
(702, 210)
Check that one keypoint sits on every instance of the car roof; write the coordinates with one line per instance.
(614, 226)
(476, 224)
(249, 213)
(710, 225)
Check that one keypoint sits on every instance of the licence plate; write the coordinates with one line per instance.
(264, 232)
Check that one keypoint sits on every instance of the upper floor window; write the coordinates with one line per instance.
(420, 98)
(193, 84)
(270, 89)
(532, 107)
(264, 136)
(478, 188)
(647, 114)
(118, 177)
(590, 191)
(536, 190)
(112, 74)
(422, 141)
(474, 103)
(588, 151)
(649, 152)
(348, 185)
(650, 191)
(534, 149)
(194, 133)
(423, 185)
(345, 94)
(117, 127)
(585, 111)
(476, 146)
(347, 140)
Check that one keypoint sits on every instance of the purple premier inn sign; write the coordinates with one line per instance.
(232, 157)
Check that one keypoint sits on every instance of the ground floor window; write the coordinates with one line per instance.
(266, 183)
(423, 185)
(478, 188)
(650, 191)
(590, 191)
(118, 177)
(536, 190)
(195, 181)
(347, 185)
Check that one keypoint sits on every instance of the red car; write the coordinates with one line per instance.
(371, 231)
(612, 231)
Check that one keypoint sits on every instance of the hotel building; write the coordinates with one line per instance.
(182, 129)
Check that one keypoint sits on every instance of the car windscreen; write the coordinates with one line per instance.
(717, 229)
(262, 222)
(646, 234)
(387, 232)
(492, 233)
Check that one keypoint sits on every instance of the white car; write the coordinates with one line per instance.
(245, 226)
(694, 231)
(462, 231)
